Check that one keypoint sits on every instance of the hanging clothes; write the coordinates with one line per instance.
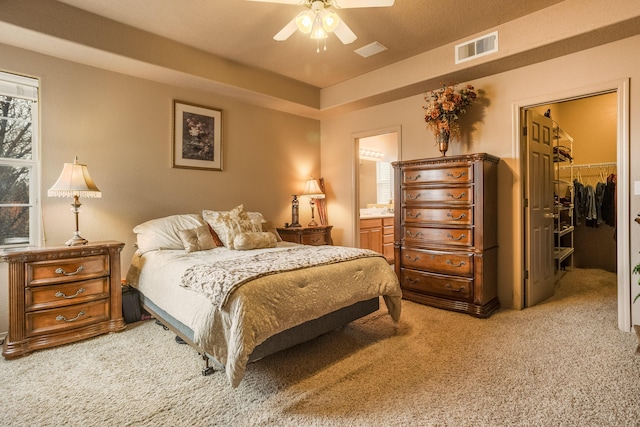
(608, 202)
(591, 212)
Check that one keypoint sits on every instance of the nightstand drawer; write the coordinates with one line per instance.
(66, 318)
(45, 297)
(315, 239)
(67, 270)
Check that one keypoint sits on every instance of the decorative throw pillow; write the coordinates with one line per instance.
(162, 233)
(228, 224)
(254, 240)
(197, 239)
(257, 219)
(268, 226)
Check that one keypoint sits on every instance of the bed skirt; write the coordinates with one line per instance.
(285, 339)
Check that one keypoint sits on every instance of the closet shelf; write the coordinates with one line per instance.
(563, 231)
(560, 253)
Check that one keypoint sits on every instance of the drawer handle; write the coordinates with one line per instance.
(411, 280)
(412, 215)
(414, 259)
(60, 270)
(418, 234)
(316, 240)
(462, 236)
(410, 197)
(463, 173)
(460, 289)
(450, 215)
(456, 265)
(62, 294)
(409, 178)
(61, 318)
(460, 196)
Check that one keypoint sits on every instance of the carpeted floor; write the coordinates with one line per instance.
(561, 363)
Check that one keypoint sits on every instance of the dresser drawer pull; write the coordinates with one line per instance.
(456, 265)
(414, 235)
(60, 270)
(460, 289)
(411, 280)
(463, 173)
(460, 196)
(62, 294)
(410, 197)
(412, 215)
(316, 240)
(414, 259)
(61, 318)
(458, 218)
(462, 236)
(409, 178)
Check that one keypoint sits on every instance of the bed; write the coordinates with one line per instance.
(227, 285)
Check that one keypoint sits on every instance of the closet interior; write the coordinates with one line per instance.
(585, 173)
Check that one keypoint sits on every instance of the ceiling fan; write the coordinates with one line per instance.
(319, 20)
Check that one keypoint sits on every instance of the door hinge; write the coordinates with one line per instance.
(526, 275)
(524, 131)
(526, 203)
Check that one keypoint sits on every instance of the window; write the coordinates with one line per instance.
(384, 178)
(19, 164)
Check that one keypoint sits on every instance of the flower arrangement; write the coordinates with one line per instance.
(444, 107)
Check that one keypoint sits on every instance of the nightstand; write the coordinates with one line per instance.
(315, 236)
(62, 294)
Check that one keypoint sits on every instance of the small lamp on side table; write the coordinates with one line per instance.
(74, 181)
(313, 191)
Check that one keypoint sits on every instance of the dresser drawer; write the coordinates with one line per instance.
(457, 264)
(66, 318)
(315, 239)
(452, 174)
(452, 287)
(44, 297)
(41, 273)
(462, 215)
(439, 236)
(463, 195)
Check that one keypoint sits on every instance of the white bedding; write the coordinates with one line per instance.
(263, 307)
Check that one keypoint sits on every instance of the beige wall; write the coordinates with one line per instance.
(492, 132)
(120, 126)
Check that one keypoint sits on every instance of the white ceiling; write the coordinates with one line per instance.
(242, 31)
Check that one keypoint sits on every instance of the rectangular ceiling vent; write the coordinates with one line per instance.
(477, 47)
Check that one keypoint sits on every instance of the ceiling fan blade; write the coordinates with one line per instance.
(287, 31)
(344, 33)
(350, 4)
(280, 1)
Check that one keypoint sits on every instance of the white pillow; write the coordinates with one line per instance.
(197, 239)
(228, 224)
(162, 233)
(254, 240)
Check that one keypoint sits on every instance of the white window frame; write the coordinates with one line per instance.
(27, 88)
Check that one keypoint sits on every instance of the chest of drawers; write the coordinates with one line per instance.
(446, 232)
(59, 295)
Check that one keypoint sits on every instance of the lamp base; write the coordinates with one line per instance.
(313, 223)
(77, 240)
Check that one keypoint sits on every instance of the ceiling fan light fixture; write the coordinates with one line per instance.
(317, 30)
(304, 22)
(330, 20)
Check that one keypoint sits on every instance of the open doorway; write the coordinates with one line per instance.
(598, 128)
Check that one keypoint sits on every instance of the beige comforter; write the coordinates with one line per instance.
(263, 307)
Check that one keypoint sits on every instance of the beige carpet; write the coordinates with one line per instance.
(562, 363)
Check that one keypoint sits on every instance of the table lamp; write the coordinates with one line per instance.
(313, 191)
(74, 181)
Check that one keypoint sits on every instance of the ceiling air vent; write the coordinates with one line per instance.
(477, 47)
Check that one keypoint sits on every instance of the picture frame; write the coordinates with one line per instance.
(197, 137)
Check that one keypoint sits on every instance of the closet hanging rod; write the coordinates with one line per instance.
(589, 165)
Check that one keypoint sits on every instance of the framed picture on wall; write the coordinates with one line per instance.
(197, 137)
